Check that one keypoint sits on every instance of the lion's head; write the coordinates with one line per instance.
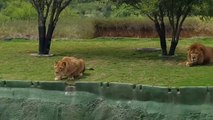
(59, 68)
(195, 56)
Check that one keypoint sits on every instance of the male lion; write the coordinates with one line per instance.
(198, 54)
(69, 67)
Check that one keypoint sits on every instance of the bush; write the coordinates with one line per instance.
(19, 9)
(3, 18)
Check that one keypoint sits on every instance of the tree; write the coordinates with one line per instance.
(205, 10)
(177, 11)
(157, 10)
(48, 9)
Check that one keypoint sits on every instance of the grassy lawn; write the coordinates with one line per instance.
(114, 60)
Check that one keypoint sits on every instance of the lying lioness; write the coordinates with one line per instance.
(69, 67)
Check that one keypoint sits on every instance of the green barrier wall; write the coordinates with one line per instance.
(26, 100)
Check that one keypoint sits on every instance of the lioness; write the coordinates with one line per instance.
(69, 67)
(198, 54)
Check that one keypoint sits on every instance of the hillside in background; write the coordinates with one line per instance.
(18, 19)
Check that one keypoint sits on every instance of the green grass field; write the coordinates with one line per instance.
(114, 60)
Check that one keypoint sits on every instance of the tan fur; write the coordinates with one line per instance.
(69, 67)
(198, 54)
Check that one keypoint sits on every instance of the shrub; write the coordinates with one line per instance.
(19, 9)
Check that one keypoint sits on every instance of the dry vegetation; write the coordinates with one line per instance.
(75, 27)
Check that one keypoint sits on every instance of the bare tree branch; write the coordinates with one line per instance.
(48, 4)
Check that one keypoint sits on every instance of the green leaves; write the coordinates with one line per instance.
(18, 10)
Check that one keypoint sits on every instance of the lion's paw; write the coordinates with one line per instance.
(188, 64)
(56, 78)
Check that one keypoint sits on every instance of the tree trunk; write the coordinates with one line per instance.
(175, 38)
(51, 28)
(42, 40)
(163, 45)
(161, 32)
(173, 47)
